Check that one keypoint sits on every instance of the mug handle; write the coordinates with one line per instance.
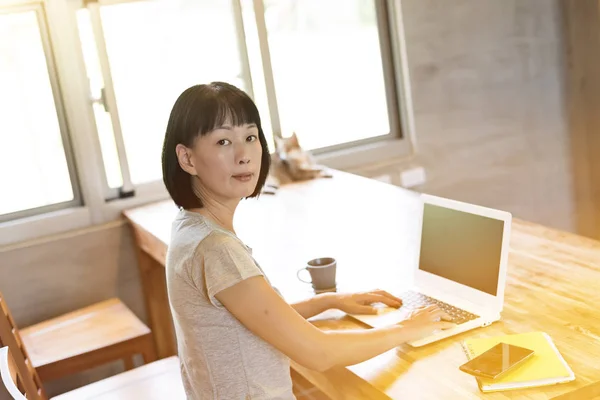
(298, 275)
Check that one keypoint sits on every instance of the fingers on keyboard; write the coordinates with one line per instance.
(447, 317)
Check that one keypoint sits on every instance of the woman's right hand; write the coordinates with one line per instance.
(426, 320)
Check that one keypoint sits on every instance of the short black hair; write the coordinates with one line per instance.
(197, 111)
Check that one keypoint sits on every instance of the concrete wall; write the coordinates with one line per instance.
(488, 91)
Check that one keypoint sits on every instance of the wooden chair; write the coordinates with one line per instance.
(8, 375)
(92, 336)
(154, 381)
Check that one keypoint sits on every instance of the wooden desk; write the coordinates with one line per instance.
(370, 227)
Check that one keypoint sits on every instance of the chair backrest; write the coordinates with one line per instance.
(8, 374)
(27, 381)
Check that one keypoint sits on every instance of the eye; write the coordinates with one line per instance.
(223, 142)
(251, 138)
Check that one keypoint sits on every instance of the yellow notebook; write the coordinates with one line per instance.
(546, 367)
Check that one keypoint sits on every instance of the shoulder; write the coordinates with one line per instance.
(223, 261)
(219, 246)
(188, 230)
(216, 240)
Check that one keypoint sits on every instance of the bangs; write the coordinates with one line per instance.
(225, 107)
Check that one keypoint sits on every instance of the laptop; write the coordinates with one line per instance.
(461, 267)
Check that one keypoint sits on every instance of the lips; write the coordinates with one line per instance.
(245, 177)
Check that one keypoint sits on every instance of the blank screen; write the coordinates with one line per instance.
(462, 247)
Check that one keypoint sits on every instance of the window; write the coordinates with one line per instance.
(175, 44)
(87, 87)
(36, 168)
(328, 72)
(298, 55)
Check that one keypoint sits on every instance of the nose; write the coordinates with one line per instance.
(242, 155)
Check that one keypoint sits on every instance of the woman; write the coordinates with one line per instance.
(235, 333)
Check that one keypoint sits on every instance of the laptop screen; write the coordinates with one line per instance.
(462, 247)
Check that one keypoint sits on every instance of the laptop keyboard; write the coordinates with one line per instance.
(412, 300)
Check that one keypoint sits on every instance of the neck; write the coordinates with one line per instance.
(220, 211)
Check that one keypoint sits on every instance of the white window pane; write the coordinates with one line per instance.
(33, 166)
(112, 168)
(257, 71)
(328, 71)
(104, 127)
(156, 50)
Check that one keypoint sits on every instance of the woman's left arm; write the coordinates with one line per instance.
(354, 303)
(315, 305)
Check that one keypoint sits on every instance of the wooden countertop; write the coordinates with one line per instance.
(370, 227)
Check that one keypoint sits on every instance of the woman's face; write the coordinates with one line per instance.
(226, 161)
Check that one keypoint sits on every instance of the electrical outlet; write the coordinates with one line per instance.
(411, 177)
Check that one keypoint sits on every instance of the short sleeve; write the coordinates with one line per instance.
(226, 262)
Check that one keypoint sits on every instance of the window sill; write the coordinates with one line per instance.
(367, 154)
(144, 194)
(21, 231)
(42, 225)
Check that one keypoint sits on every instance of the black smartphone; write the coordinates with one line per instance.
(496, 361)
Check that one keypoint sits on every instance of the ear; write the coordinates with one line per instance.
(293, 140)
(186, 159)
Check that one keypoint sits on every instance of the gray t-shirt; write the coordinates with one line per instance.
(220, 358)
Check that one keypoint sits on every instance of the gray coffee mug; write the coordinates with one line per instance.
(322, 273)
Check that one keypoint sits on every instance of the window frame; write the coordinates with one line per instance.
(384, 17)
(376, 150)
(53, 80)
(109, 101)
(128, 188)
(97, 207)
